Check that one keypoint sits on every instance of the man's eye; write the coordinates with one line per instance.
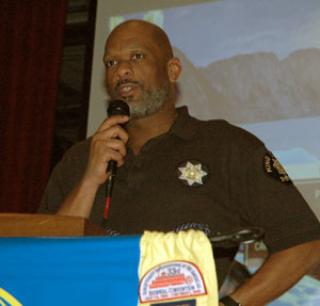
(137, 56)
(110, 63)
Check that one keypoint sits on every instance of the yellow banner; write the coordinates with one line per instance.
(177, 269)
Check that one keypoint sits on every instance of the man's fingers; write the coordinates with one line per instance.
(116, 145)
(115, 132)
(116, 156)
(113, 120)
(104, 151)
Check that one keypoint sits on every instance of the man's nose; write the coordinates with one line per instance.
(124, 69)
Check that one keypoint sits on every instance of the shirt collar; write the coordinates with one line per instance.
(184, 126)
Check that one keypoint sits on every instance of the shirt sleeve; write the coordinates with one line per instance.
(65, 176)
(268, 199)
(277, 205)
(54, 194)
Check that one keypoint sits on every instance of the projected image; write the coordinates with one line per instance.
(255, 60)
(255, 64)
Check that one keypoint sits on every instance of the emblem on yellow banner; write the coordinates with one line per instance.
(172, 280)
(6, 299)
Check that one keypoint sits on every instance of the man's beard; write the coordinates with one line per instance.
(149, 102)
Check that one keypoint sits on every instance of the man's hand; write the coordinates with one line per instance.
(108, 143)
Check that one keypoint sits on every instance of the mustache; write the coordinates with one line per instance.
(127, 81)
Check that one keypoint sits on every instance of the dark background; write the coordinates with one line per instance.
(45, 64)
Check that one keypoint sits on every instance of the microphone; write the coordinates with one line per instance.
(116, 107)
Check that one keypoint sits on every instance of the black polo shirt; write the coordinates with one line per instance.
(233, 190)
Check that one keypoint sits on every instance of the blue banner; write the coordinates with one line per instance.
(69, 271)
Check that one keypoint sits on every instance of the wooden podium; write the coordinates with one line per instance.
(40, 267)
(35, 225)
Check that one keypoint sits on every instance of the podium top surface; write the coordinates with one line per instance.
(35, 225)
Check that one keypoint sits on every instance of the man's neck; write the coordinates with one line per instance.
(143, 129)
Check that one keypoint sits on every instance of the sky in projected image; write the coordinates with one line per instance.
(240, 27)
(215, 33)
(246, 26)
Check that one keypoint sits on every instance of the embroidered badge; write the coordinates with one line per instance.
(171, 280)
(193, 173)
(273, 168)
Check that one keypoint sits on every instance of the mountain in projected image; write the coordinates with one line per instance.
(255, 87)
(260, 87)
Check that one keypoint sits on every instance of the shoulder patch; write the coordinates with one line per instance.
(274, 169)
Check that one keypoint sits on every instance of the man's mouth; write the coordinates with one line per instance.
(127, 88)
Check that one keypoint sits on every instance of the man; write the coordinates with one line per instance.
(176, 172)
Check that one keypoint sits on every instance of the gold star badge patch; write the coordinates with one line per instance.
(193, 173)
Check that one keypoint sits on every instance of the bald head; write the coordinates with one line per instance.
(141, 68)
(144, 30)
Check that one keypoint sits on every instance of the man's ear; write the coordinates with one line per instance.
(174, 69)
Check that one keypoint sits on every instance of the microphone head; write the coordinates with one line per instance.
(118, 107)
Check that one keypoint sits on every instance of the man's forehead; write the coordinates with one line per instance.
(118, 43)
(134, 28)
(138, 34)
